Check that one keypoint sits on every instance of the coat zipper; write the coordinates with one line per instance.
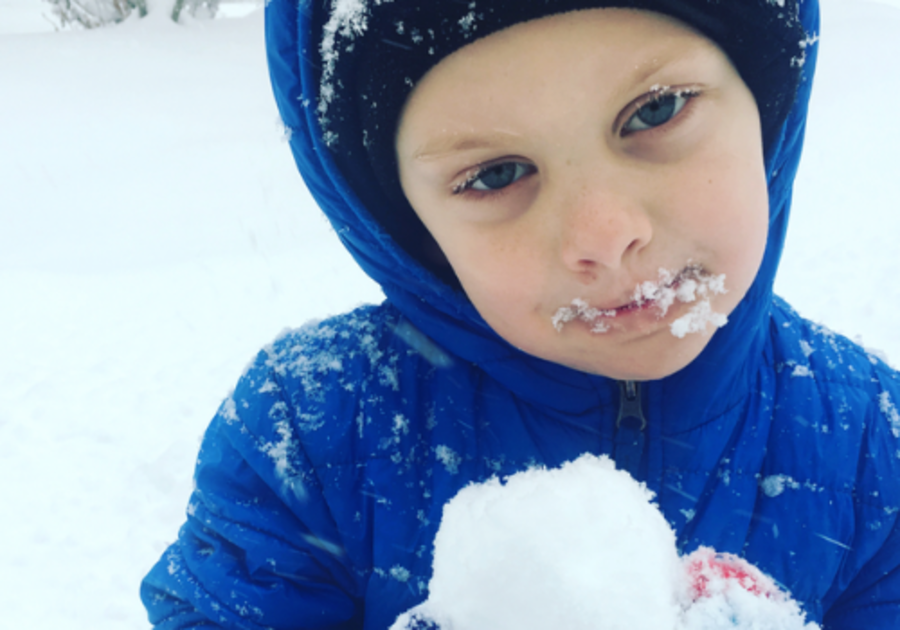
(630, 425)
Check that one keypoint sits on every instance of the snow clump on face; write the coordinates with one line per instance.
(579, 309)
(703, 288)
(691, 284)
(583, 548)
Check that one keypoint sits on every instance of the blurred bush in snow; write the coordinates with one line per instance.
(94, 13)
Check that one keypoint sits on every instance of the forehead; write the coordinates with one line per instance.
(608, 53)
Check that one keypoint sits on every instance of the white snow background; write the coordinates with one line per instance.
(154, 234)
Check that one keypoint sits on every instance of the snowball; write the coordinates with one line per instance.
(571, 543)
(583, 547)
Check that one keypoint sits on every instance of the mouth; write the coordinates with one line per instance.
(692, 284)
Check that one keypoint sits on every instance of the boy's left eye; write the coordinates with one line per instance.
(658, 111)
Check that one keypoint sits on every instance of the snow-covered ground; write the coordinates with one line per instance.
(154, 234)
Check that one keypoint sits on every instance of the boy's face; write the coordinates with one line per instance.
(572, 158)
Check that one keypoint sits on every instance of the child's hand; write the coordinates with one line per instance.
(725, 591)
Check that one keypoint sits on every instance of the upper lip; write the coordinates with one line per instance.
(631, 302)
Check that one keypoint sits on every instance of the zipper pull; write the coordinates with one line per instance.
(630, 425)
(630, 409)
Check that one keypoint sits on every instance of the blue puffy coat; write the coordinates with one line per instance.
(320, 482)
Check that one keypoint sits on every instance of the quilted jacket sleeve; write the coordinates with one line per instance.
(260, 548)
(873, 602)
(867, 594)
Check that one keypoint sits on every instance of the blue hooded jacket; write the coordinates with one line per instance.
(321, 480)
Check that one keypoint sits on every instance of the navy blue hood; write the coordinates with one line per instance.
(723, 371)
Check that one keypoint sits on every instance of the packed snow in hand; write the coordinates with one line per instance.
(583, 548)
(691, 284)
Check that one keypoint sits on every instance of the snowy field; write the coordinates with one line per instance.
(155, 234)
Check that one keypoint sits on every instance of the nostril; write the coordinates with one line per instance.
(633, 245)
(587, 270)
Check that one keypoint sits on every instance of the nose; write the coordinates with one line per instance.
(602, 225)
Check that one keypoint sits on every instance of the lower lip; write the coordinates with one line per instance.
(636, 307)
(636, 316)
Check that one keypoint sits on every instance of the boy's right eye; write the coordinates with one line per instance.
(495, 177)
(657, 109)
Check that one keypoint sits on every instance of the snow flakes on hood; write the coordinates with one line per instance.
(228, 410)
(347, 20)
(468, 22)
(799, 60)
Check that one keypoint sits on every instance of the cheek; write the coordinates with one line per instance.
(501, 276)
(738, 224)
(729, 198)
(490, 270)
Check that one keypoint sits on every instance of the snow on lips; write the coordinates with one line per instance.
(581, 310)
(583, 548)
(691, 284)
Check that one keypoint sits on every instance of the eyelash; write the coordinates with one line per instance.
(465, 187)
(656, 95)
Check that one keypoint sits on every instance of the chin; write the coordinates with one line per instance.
(650, 366)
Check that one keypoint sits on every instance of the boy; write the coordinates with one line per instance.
(576, 211)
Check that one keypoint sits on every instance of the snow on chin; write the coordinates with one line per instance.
(691, 284)
(582, 547)
(696, 319)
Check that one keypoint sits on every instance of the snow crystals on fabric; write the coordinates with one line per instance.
(228, 410)
(467, 22)
(401, 574)
(347, 20)
(279, 452)
(890, 411)
(448, 457)
(774, 485)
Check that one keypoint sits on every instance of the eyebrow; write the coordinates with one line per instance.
(456, 142)
(647, 69)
